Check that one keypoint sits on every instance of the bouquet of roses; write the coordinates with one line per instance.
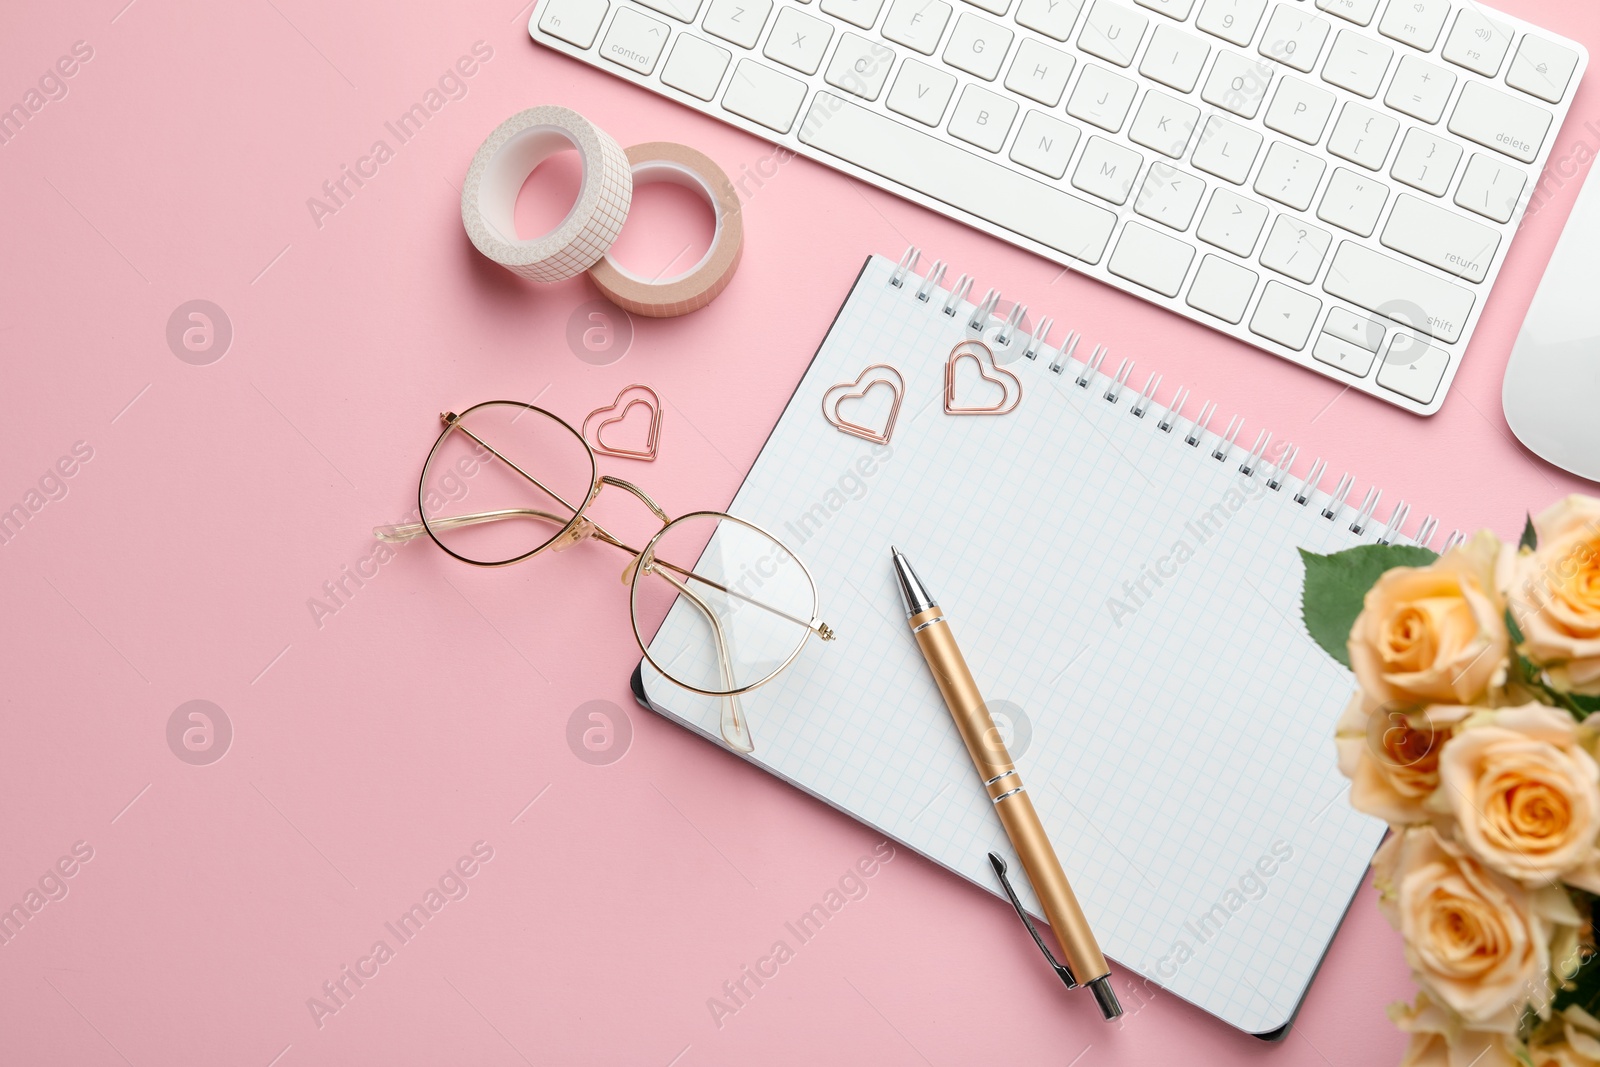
(1470, 735)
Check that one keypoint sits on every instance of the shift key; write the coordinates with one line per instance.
(1408, 295)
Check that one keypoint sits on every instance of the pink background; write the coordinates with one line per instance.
(372, 751)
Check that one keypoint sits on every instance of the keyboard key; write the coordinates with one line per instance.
(1169, 196)
(1441, 237)
(1290, 176)
(1359, 12)
(994, 7)
(1477, 42)
(1412, 367)
(859, 66)
(1039, 72)
(1222, 289)
(1426, 162)
(1362, 331)
(1232, 20)
(978, 46)
(1174, 9)
(921, 92)
(1151, 259)
(1396, 290)
(1295, 248)
(695, 66)
(1415, 22)
(763, 95)
(1232, 222)
(576, 22)
(1102, 98)
(737, 21)
(955, 176)
(983, 118)
(861, 13)
(918, 24)
(1107, 170)
(635, 40)
(1337, 352)
(1226, 150)
(1490, 188)
(798, 40)
(1542, 68)
(682, 10)
(1300, 110)
(1112, 32)
(1294, 38)
(1357, 64)
(1053, 18)
(1174, 58)
(1285, 315)
(1363, 136)
(1353, 201)
(1500, 121)
(1163, 124)
(1420, 89)
(1237, 83)
(1044, 144)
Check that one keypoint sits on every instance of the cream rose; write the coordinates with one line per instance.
(1433, 634)
(1525, 796)
(1392, 757)
(1555, 595)
(1477, 942)
(1574, 1043)
(1439, 1040)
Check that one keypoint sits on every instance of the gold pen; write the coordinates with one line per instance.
(1084, 962)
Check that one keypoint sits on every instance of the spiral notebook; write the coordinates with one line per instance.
(1124, 582)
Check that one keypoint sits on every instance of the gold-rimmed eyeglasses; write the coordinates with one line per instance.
(506, 481)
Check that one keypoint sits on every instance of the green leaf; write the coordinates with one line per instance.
(1530, 537)
(1513, 629)
(1336, 585)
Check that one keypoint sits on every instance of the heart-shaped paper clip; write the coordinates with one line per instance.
(865, 381)
(615, 413)
(989, 371)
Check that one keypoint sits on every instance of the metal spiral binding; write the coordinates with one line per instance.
(1146, 395)
(1455, 538)
(1347, 482)
(1097, 357)
(1114, 390)
(1040, 333)
(1192, 439)
(908, 263)
(1309, 486)
(1013, 323)
(1280, 469)
(1174, 409)
(1369, 504)
(981, 314)
(1397, 521)
(1220, 453)
(1064, 353)
(1248, 467)
(962, 287)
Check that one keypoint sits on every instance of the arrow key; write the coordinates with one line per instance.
(1285, 315)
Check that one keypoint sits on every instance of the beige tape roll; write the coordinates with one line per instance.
(504, 161)
(696, 287)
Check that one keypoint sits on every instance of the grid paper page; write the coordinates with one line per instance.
(1177, 739)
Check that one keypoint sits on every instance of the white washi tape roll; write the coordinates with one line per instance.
(504, 161)
(699, 285)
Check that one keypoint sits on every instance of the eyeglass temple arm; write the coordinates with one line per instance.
(734, 729)
(400, 533)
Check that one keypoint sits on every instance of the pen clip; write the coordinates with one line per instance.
(1061, 969)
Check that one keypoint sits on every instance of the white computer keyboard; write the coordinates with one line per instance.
(1335, 182)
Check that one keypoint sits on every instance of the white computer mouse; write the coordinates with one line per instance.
(1552, 388)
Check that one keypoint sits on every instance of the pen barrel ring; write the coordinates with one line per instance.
(997, 771)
